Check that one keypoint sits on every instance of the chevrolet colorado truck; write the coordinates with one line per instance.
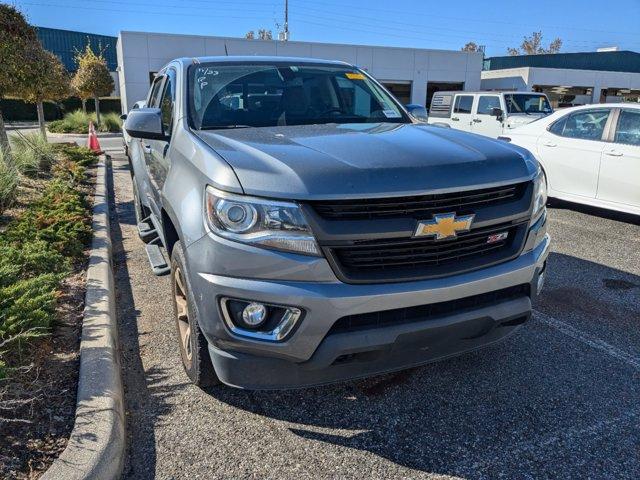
(314, 232)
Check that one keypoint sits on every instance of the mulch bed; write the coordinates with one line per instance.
(37, 404)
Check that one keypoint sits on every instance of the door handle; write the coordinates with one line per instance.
(477, 120)
(613, 153)
(455, 119)
(550, 144)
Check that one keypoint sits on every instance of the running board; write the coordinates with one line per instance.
(146, 231)
(158, 263)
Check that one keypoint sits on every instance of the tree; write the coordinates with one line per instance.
(471, 47)
(92, 79)
(16, 36)
(533, 46)
(49, 80)
(263, 34)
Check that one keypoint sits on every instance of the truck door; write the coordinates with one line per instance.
(461, 116)
(483, 122)
(158, 149)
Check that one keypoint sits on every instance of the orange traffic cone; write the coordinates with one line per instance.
(92, 141)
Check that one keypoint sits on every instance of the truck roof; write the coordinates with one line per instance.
(258, 59)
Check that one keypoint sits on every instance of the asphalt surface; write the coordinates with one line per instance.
(560, 399)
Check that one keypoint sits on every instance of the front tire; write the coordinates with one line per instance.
(193, 345)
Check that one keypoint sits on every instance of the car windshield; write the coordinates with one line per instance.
(262, 95)
(524, 103)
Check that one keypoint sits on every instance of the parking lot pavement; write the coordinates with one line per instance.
(559, 399)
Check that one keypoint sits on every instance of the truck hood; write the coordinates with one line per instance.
(365, 160)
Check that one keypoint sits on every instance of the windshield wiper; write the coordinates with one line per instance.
(223, 127)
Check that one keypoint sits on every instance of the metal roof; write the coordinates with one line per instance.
(65, 44)
(618, 61)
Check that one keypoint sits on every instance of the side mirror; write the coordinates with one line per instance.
(145, 123)
(498, 113)
(123, 116)
(417, 111)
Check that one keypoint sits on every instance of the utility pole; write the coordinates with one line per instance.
(285, 36)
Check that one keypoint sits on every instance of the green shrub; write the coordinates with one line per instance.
(82, 156)
(27, 307)
(78, 122)
(32, 154)
(8, 183)
(59, 217)
(73, 122)
(111, 122)
(19, 261)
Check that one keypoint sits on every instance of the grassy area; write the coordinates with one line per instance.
(78, 122)
(40, 244)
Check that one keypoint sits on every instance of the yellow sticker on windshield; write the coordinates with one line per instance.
(354, 76)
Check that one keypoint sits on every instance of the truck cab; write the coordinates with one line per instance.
(487, 113)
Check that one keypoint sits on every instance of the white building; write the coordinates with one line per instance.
(568, 78)
(412, 74)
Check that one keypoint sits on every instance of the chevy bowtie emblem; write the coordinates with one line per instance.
(444, 225)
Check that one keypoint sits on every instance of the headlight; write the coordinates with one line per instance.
(260, 222)
(539, 194)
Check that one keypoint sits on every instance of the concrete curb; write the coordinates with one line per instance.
(96, 447)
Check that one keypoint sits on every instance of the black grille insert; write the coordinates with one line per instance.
(417, 207)
(421, 313)
(410, 258)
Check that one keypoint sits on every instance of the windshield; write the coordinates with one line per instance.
(262, 95)
(525, 103)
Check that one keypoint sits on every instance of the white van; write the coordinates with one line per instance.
(487, 113)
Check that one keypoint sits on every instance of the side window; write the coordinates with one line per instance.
(152, 101)
(486, 103)
(167, 102)
(463, 104)
(558, 126)
(586, 125)
(628, 128)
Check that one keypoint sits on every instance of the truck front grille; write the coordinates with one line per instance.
(413, 258)
(372, 240)
(417, 206)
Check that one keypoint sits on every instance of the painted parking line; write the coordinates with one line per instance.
(589, 340)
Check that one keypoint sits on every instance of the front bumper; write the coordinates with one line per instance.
(310, 356)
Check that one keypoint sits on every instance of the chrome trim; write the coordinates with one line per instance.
(279, 333)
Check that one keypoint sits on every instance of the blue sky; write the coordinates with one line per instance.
(583, 25)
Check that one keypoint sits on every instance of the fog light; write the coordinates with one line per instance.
(254, 314)
(259, 321)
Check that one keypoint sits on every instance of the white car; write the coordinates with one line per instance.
(590, 154)
(126, 139)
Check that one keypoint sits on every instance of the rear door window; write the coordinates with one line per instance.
(463, 104)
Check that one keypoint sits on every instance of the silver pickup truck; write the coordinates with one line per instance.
(314, 232)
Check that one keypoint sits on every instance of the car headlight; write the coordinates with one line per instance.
(260, 222)
(539, 194)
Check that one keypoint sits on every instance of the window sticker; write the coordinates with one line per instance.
(391, 114)
(354, 76)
